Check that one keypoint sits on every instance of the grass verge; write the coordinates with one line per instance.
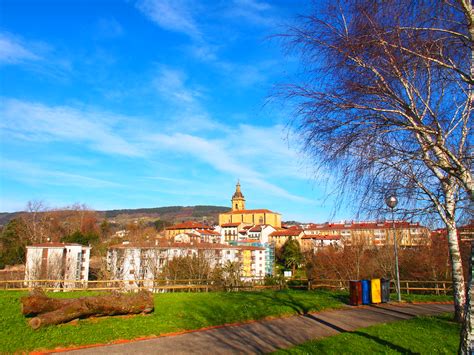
(422, 335)
(174, 312)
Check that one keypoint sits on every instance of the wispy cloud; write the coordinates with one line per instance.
(253, 11)
(33, 174)
(13, 50)
(171, 84)
(38, 122)
(255, 154)
(171, 15)
(219, 156)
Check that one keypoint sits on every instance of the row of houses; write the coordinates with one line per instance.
(310, 236)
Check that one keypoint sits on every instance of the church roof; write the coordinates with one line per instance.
(250, 211)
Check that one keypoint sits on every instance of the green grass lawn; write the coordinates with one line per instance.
(423, 335)
(423, 298)
(173, 312)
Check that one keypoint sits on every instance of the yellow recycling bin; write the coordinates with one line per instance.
(375, 291)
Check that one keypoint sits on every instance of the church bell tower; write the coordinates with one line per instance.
(238, 200)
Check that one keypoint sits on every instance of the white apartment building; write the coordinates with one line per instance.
(134, 262)
(62, 263)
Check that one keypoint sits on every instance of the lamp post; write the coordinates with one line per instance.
(391, 201)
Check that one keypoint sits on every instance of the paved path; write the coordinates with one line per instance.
(270, 335)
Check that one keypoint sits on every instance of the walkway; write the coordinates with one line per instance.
(270, 335)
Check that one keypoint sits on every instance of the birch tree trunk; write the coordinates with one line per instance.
(466, 345)
(459, 288)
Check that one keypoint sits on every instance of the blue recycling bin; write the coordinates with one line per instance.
(365, 291)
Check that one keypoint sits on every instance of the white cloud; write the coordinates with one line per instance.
(189, 116)
(255, 154)
(38, 122)
(252, 11)
(220, 156)
(171, 15)
(32, 174)
(170, 84)
(13, 50)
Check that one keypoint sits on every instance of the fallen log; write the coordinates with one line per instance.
(37, 302)
(106, 305)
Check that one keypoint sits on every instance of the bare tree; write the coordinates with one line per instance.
(34, 219)
(386, 99)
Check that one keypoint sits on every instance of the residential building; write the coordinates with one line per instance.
(259, 232)
(230, 231)
(466, 232)
(314, 242)
(185, 227)
(373, 233)
(62, 263)
(199, 236)
(268, 258)
(135, 262)
(279, 237)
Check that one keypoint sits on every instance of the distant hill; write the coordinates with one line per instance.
(6, 217)
(171, 213)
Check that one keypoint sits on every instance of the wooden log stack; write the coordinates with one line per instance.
(47, 311)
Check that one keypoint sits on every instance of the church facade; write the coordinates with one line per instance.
(239, 214)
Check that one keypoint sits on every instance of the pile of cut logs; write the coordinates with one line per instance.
(46, 310)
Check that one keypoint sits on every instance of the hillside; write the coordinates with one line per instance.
(170, 213)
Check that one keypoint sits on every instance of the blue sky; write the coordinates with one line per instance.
(147, 103)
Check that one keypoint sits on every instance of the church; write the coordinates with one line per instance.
(239, 214)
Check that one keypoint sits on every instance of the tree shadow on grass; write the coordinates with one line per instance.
(362, 334)
(343, 298)
(383, 342)
(288, 300)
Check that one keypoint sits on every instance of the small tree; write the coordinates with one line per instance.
(291, 256)
(230, 275)
(12, 243)
(81, 238)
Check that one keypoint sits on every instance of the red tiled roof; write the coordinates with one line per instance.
(362, 225)
(207, 232)
(321, 237)
(169, 244)
(294, 227)
(256, 229)
(230, 225)
(56, 245)
(286, 233)
(250, 211)
(188, 225)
